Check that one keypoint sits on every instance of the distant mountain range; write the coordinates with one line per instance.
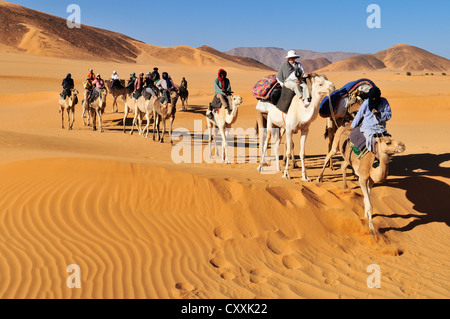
(399, 57)
(273, 57)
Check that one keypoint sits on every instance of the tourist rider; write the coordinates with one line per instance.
(291, 76)
(115, 81)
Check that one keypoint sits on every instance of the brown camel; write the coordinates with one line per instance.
(116, 92)
(385, 148)
(184, 94)
(161, 113)
(68, 104)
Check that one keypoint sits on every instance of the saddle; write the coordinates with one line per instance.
(285, 99)
(357, 141)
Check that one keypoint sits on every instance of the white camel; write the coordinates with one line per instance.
(223, 120)
(298, 117)
(96, 108)
(68, 104)
(142, 106)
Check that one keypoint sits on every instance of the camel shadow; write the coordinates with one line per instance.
(429, 196)
(195, 109)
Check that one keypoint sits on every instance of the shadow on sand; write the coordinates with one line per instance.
(430, 196)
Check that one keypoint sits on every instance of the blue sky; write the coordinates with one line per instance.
(322, 26)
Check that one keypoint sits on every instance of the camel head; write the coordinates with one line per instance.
(321, 85)
(389, 146)
(236, 100)
(73, 97)
(173, 97)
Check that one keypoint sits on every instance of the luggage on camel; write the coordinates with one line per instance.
(264, 87)
(343, 98)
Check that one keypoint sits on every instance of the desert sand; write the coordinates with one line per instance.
(141, 226)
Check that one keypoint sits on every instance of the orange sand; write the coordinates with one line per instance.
(141, 226)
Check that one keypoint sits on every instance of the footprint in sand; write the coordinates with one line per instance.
(277, 243)
(220, 262)
(259, 276)
(223, 232)
(291, 262)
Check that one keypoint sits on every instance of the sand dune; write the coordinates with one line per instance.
(141, 226)
(41, 34)
(399, 57)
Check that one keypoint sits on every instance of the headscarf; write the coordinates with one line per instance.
(165, 76)
(374, 97)
(221, 76)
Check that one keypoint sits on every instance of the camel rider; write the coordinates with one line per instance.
(372, 116)
(165, 85)
(155, 75)
(91, 75)
(89, 87)
(149, 85)
(184, 83)
(67, 85)
(138, 85)
(115, 82)
(132, 79)
(290, 75)
(99, 83)
(222, 89)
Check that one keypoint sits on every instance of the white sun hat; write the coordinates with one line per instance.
(292, 54)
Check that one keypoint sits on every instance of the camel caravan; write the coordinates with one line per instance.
(287, 103)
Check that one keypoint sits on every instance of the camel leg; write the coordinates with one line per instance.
(157, 128)
(94, 120)
(265, 146)
(368, 208)
(99, 115)
(224, 146)
(170, 129)
(327, 159)
(163, 130)
(145, 132)
(125, 111)
(62, 119)
(134, 122)
(288, 153)
(210, 137)
(155, 118)
(344, 173)
(280, 133)
(302, 154)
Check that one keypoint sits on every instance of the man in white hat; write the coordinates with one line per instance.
(115, 79)
(290, 75)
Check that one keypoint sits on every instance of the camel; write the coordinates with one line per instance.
(385, 148)
(184, 94)
(161, 113)
(96, 108)
(142, 106)
(117, 92)
(222, 121)
(298, 117)
(68, 104)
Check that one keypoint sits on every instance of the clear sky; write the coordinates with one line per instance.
(318, 25)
